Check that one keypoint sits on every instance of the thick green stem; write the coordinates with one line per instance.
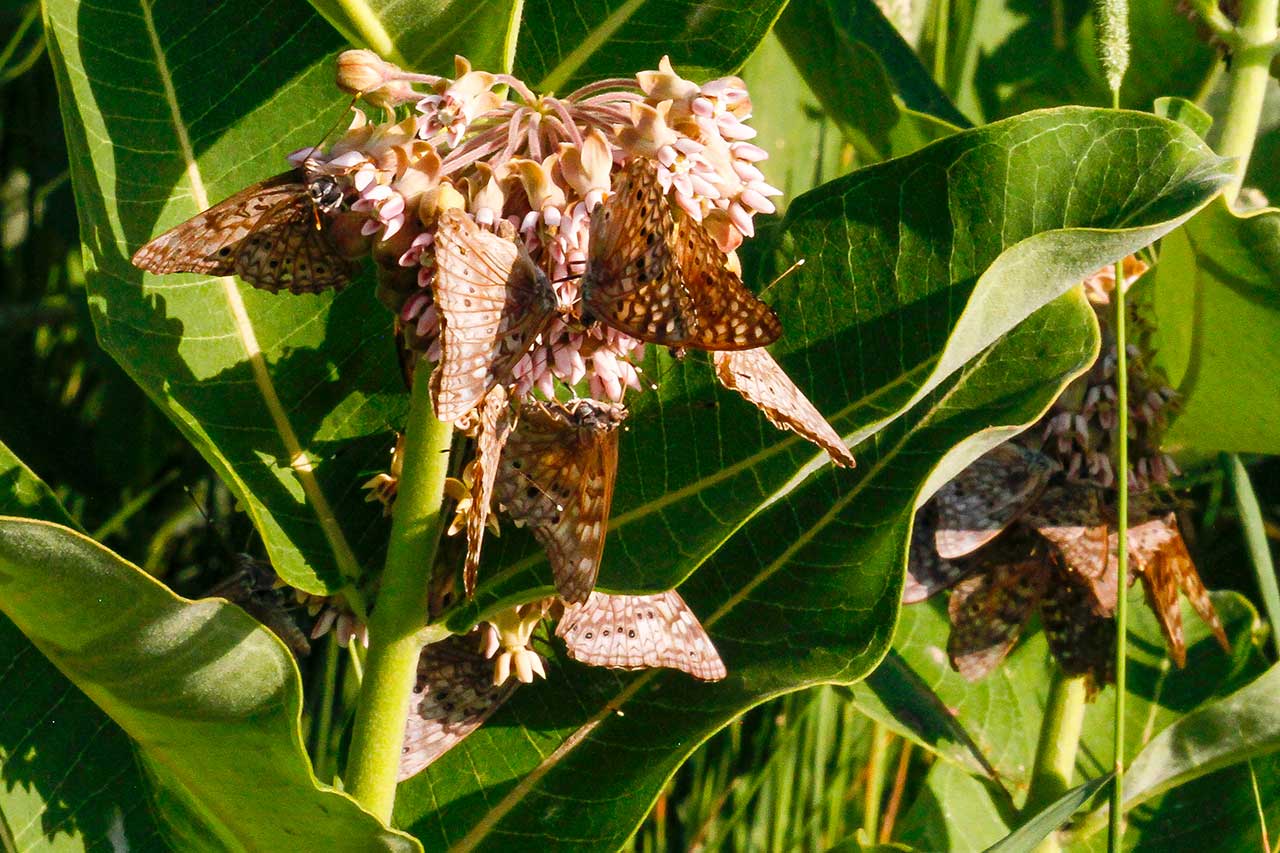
(1255, 536)
(1056, 752)
(1247, 85)
(1115, 833)
(401, 607)
(324, 724)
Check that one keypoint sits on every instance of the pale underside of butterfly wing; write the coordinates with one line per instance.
(658, 276)
(496, 421)
(453, 696)
(1082, 640)
(287, 251)
(640, 631)
(988, 496)
(493, 303)
(989, 610)
(208, 241)
(927, 573)
(1160, 556)
(556, 478)
(756, 376)
(1072, 520)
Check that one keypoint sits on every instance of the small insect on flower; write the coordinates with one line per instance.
(275, 235)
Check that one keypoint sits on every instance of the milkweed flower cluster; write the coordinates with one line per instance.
(486, 143)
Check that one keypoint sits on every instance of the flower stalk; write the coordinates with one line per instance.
(401, 607)
(1056, 751)
(1247, 85)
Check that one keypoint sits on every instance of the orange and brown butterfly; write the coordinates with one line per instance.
(494, 424)
(493, 302)
(640, 631)
(275, 235)
(453, 696)
(556, 477)
(655, 274)
(756, 376)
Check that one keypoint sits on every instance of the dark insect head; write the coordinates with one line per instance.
(325, 193)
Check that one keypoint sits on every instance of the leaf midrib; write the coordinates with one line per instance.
(299, 461)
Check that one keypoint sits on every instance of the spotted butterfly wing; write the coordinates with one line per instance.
(1070, 517)
(1081, 639)
(556, 477)
(756, 376)
(495, 423)
(927, 573)
(640, 631)
(1159, 554)
(989, 609)
(655, 274)
(267, 234)
(493, 303)
(453, 696)
(982, 500)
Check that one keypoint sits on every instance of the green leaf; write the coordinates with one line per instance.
(1184, 112)
(1025, 838)
(953, 812)
(290, 399)
(564, 46)
(211, 697)
(853, 60)
(425, 37)
(68, 775)
(1001, 713)
(1214, 304)
(804, 594)
(894, 297)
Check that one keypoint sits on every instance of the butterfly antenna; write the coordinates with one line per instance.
(332, 127)
(781, 276)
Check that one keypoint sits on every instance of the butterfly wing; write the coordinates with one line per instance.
(1159, 554)
(660, 277)
(453, 696)
(756, 376)
(496, 421)
(640, 631)
(985, 498)
(287, 251)
(927, 573)
(1081, 639)
(989, 609)
(208, 242)
(493, 303)
(556, 478)
(1070, 517)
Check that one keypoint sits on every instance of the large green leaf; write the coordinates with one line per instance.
(806, 593)
(1214, 301)
(425, 37)
(212, 698)
(68, 775)
(563, 45)
(894, 296)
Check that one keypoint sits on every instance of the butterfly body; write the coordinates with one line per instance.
(556, 477)
(657, 275)
(494, 302)
(274, 235)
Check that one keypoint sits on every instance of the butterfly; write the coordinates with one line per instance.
(1159, 553)
(985, 498)
(639, 631)
(1070, 517)
(657, 275)
(273, 235)
(454, 694)
(756, 376)
(556, 477)
(927, 573)
(493, 302)
(495, 422)
(256, 589)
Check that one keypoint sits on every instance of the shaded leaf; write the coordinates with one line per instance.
(1029, 835)
(211, 697)
(1214, 303)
